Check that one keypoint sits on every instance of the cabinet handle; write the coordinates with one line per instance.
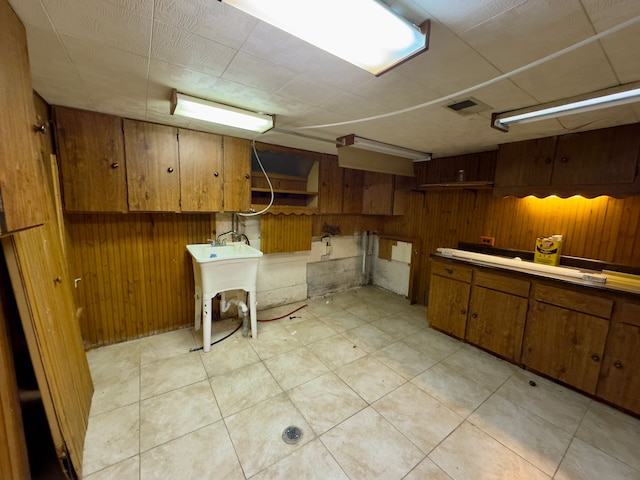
(595, 358)
(617, 364)
(40, 129)
(247, 176)
(449, 271)
(215, 174)
(58, 279)
(170, 169)
(463, 311)
(115, 165)
(564, 159)
(474, 315)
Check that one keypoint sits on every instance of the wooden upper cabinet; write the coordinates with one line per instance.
(526, 163)
(330, 185)
(201, 171)
(352, 189)
(237, 174)
(92, 163)
(597, 162)
(22, 183)
(153, 172)
(605, 156)
(377, 195)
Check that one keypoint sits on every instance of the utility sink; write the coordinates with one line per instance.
(205, 253)
(218, 268)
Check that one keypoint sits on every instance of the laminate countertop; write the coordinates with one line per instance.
(602, 280)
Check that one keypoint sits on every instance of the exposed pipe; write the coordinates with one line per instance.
(225, 305)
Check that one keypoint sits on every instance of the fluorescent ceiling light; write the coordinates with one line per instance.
(364, 32)
(213, 112)
(366, 144)
(603, 99)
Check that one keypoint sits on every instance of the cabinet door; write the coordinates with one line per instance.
(496, 322)
(330, 185)
(153, 176)
(619, 378)
(377, 196)
(201, 171)
(525, 163)
(448, 301)
(605, 156)
(92, 163)
(564, 344)
(237, 174)
(21, 171)
(352, 189)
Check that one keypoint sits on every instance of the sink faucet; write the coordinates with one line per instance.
(235, 236)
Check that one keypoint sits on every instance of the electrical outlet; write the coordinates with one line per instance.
(487, 241)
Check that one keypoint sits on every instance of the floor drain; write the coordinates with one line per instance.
(291, 434)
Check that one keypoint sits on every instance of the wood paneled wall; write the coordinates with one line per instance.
(285, 233)
(136, 275)
(603, 228)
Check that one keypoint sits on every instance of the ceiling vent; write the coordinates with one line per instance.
(468, 106)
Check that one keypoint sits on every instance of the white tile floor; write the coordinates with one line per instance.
(377, 394)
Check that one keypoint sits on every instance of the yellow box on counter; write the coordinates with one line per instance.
(548, 250)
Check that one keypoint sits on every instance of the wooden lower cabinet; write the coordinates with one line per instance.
(497, 313)
(584, 337)
(449, 298)
(565, 344)
(619, 378)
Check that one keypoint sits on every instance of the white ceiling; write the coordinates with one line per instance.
(124, 57)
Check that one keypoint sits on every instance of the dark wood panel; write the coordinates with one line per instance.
(137, 277)
(153, 172)
(92, 163)
(330, 185)
(285, 233)
(201, 171)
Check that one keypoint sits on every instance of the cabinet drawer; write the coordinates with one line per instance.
(457, 272)
(502, 283)
(628, 313)
(577, 301)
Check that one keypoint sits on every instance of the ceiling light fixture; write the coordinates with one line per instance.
(594, 101)
(352, 140)
(219, 113)
(364, 32)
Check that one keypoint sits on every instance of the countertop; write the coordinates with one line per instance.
(609, 281)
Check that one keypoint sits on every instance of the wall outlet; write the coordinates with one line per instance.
(487, 241)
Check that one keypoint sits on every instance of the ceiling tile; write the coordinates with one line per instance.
(100, 21)
(276, 46)
(395, 91)
(306, 88)
(354, 106)
(448, 67)
(255, 72)
(501, 96)
(185, 80)
(31, 12)
(582, 71)
(608, 117)
(49, 61)
(624, 59)
(207, 18)
(239, 95)
(608, 13)
(528, 32)
(463, 15)
(188, 50)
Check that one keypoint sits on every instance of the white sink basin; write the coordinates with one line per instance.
(220, 268)
(205, 253)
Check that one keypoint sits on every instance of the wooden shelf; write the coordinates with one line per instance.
(478, 185)
(287, 192)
